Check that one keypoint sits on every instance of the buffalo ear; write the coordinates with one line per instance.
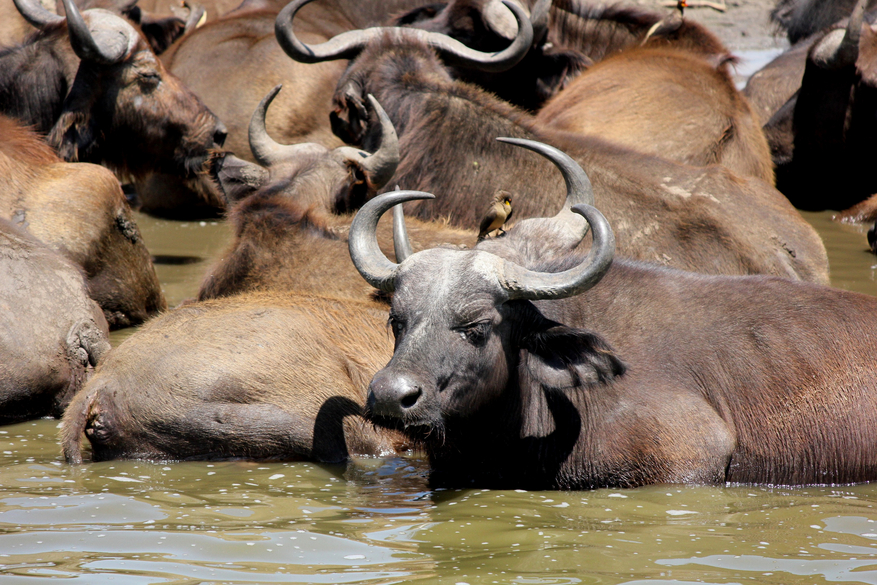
(555, 359)
(162, 32)
(73, 136)
(563, 358)
(236, 178)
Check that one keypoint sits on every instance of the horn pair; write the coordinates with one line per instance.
(348, 45)
(379, 166)
(117, 37)
(517, 281)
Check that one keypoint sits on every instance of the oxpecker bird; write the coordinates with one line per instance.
(499, 212)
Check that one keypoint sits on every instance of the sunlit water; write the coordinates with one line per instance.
(376, 521)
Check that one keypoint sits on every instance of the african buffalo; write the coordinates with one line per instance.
(518, 367)
(322, 350)
(79, 210)
(821, 137)
(93, 83)
(568, 36)
(665, 102)
(704, 219)
(192, 384)
(290, 213)
(51, 333)
(233, 61)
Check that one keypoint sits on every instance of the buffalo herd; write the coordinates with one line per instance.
(656, 309)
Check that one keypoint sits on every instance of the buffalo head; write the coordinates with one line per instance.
(349, 101)
(341, 179)
(123, 108)
(470, 341)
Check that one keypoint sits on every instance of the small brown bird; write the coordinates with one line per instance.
(499, 212)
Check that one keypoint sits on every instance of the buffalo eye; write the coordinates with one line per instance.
(149, 79)
(474, 333)
(396, 324)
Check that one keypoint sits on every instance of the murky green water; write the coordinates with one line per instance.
(375, 521)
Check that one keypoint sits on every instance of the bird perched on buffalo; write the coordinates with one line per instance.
(499, 212)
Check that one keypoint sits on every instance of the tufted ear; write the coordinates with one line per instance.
(237, 179)
(560, 358)
(73, 136)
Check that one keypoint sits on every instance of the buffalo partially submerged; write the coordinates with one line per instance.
(704, 219)
(51, 332)
(79, 210)
(518, 367)
(193, 384)
(92, 82)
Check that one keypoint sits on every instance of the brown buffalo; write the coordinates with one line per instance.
(291, 216)
(193, 384)
(703, 219)
(93, 83)
(51, 333)
(665, 102)
(79, 210)
(519, 367)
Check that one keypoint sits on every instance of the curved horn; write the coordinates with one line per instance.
(265, 150)
(348, 45)
(848, 51)
(117, 43)
(36, 15)
(362, 241)
(578, 185)
(401, 243)
(539, 20)
(521, 283)
(381, 165)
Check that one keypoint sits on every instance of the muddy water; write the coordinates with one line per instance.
(375, 520)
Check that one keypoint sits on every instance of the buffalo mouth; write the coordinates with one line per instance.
(420, 432)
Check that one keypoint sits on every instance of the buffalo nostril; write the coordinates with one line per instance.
(409, 399)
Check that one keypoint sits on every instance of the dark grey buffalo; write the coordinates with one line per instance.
(518, 366)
